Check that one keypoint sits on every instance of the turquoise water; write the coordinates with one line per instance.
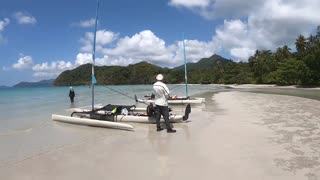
(22, 108)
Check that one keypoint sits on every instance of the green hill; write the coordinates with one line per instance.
(140, 73)
(78, 76)
(205, 63)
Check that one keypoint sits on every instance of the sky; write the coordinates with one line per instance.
(40, 39)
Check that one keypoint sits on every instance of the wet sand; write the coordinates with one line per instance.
(237, 135)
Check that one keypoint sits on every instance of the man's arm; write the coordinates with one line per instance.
(167, 92)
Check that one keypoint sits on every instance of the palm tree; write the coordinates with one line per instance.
(311, 43)
(253, 59)
(279, 55)
(286, 51)
(261, 64)
(282, 53)
(266, 53)
(301, 44)
(318, 34)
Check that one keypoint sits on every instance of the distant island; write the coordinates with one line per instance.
(43, 83)
(3, 87)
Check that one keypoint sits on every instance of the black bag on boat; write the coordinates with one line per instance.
(151, 110)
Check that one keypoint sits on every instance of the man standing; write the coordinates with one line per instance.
(161, 100)
(71, 94)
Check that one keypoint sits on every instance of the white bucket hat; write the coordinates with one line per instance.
(159, 77)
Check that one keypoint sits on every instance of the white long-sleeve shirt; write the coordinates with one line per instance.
(161, 93)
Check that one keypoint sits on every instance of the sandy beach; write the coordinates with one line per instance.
(251, 86)
(236, 135)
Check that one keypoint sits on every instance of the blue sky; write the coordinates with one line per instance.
(41, 39)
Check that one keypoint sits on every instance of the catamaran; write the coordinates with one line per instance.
(113, 116)
(176, 99)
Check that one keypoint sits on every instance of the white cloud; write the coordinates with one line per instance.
(24, 18)
(56, 65)
(83, 58)
(45, 74)
(117, 61)
(87, 23)
(219, 8)
(143, 46)
(235, 36)
(216, 8)
(190, 3)
(52, 69)
(24, 62)
(195, 50)
(257, 24)
(251, 25)
(4, 23)
(241, 53)
(103, 37)
(46, 69)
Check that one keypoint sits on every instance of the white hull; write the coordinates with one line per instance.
(91, 122)
(135, 115)
(146, 119)
(137, 118)
(176, 101)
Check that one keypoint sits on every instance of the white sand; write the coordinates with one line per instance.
(254, 86)
(250, 86)
(237, 136)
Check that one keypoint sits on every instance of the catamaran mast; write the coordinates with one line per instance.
(185, 65)
(93, 79)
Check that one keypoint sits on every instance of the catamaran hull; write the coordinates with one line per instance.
(134, 118)
(146, 119)
(91, 122)
(135, 115)
(178, 101)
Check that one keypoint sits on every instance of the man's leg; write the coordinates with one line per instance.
(158, 116)
(165, 113)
